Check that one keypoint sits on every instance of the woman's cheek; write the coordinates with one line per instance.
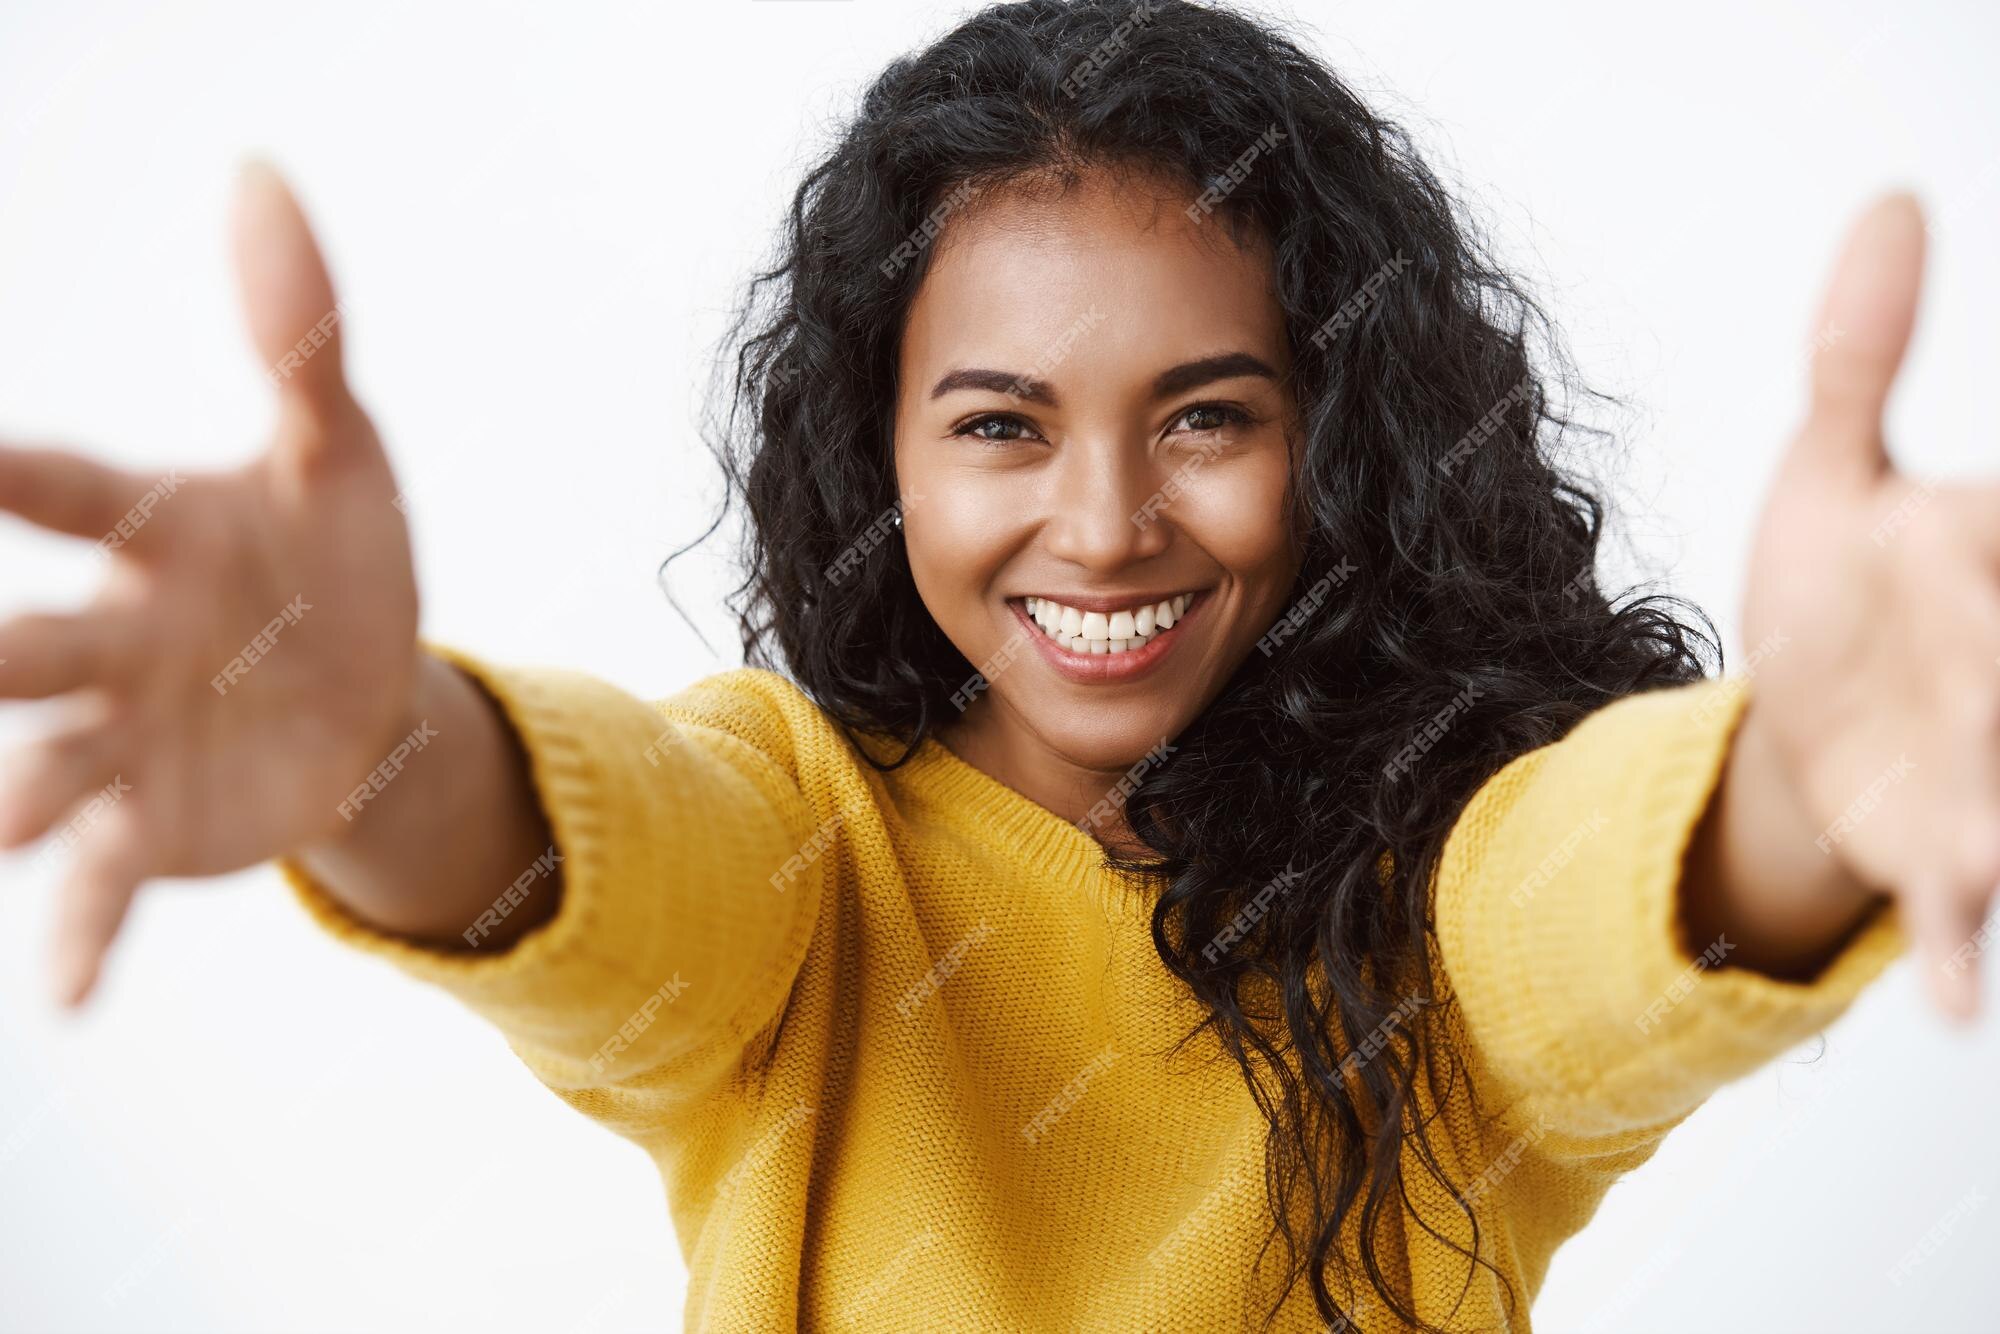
(958, 531)
(1235, 512)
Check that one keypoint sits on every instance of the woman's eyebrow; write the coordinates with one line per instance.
(1175, 380)
(1223, 366)
(999, 382)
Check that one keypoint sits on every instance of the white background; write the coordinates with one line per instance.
(537, 219)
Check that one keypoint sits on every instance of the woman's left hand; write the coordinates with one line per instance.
(1873, 602)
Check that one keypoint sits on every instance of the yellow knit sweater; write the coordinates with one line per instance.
(896, 1043)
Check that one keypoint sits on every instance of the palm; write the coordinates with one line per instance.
(1875, 600)
(246, 761)
(250, 655)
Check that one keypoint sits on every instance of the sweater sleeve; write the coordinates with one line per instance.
(1559, 925)
(689, 890)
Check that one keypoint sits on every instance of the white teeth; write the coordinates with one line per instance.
(1104, 632)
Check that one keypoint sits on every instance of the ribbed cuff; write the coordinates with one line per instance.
(1559, 917)
(542, 708)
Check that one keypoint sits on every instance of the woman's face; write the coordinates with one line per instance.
(1092, 422)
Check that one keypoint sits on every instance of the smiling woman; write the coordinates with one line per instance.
(1049, 488)
(1194, 845)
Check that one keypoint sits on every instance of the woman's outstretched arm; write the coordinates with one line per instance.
(1868, 763)
(249, 685)
(249, 671)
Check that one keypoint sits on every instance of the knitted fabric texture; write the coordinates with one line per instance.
(897, 1043)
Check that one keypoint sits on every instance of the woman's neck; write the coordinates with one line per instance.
(998, 745)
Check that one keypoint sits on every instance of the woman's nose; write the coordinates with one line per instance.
(1109, 509)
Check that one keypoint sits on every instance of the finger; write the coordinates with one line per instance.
(1978, 500)
(51, 775)
(1865, 322)
(110, 867)
(1943, 930)
(288, 300)
(68, 493)
(44, 654)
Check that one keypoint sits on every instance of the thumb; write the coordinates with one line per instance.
(1865, 322)
(288, 299)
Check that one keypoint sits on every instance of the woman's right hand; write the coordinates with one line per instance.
(252, 654)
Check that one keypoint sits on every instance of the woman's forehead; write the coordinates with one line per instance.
(1113, 261)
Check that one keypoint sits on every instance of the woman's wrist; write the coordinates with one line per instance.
(424, 858)
(1756, 876)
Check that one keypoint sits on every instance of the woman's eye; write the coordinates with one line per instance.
(1205, 417)
(994, 429)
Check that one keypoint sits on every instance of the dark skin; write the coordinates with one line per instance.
(1037, 497)
(1890, 643)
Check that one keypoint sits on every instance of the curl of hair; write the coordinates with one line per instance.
(1449, 563)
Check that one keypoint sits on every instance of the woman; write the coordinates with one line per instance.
(1196, 848)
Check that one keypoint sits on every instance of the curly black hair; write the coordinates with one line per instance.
(1450, 547)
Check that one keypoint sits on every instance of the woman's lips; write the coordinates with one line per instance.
(1107, 668)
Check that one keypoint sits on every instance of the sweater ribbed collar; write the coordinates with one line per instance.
(996, 816)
